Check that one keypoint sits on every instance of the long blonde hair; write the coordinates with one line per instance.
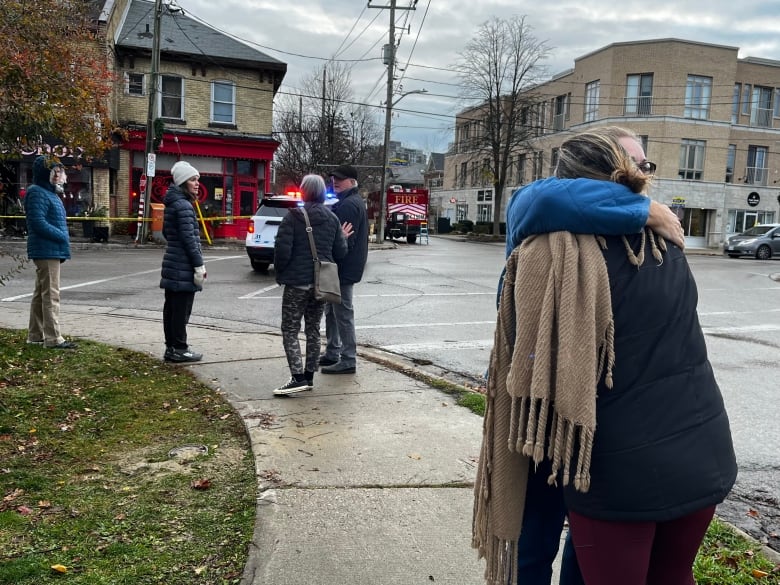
(598, 154)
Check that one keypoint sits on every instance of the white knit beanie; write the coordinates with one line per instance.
(182, 171)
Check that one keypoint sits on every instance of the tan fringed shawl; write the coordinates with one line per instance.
(553, 342)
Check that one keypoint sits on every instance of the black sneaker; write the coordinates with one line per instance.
(183, 355)
(292, 387)
(326, 361)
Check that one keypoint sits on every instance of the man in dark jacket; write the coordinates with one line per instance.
(48, 246)
(183, 272)
(341, 351)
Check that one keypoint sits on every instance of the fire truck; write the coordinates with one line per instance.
(407, 211)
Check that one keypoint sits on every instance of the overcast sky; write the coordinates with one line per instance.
(306, 33)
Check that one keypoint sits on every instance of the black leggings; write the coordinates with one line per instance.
(176, 314)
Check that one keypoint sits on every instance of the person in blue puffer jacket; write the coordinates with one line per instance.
(48, 246)
(183, 271)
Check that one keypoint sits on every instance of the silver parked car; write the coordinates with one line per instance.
(761, 241)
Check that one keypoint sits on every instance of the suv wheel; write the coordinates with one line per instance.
(258, 266)
(763, 253)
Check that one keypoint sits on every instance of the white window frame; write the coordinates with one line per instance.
(161, 97)
(223, 83)
(692, 153)
(592, 97)
(128, 75)
(485, 212)
(698, 95)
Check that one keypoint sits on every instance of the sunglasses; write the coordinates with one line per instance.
(647, 167)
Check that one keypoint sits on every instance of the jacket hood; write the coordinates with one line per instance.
(42, 170)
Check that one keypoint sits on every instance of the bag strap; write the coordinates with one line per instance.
(311, 236)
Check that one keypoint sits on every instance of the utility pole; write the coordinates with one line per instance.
(149, 171)
(388, 57)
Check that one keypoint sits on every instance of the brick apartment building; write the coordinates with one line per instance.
(709, 119)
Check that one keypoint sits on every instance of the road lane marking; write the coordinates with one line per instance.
(406, 348)
(83, 284)
(745, 329)
(255, 295)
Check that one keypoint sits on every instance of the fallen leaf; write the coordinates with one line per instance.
(415, 456)
(45, 504)
(758, 574)
(24, 510)
(753, 513)
(59, 568)
(120, 517)
(201, 484)
(199, 570)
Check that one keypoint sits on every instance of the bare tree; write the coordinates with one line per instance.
(322, 127)
(499, 67)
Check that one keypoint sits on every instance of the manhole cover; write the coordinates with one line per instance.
(188, 451)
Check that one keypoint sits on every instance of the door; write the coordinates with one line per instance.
(246, 202)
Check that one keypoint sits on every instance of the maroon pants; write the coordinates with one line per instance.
(639, 553)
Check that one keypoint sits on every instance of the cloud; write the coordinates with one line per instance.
(318, 29)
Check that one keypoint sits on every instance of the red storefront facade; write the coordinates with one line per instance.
(235, 172)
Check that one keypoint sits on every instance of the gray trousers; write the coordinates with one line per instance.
(340, 329)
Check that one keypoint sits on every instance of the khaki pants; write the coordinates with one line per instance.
(45, 306)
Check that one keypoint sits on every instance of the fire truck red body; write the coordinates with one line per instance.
(407, 211)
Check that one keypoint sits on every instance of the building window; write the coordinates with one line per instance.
(487, 172)
(756, 172)
(735, 103)
(692, 159)
(777, 103)
(731, 157)
(761, 107)
(463, 174)
(172, 97)
(592, 92)
(644, 140)
(474, 173)
(461, 212)
(639, 95)
(554, 160)
(223, 102)
(698, 93)
(521, 164)
(485, 212)
(538, 165)
(134, 83)
(746, 99)
(485, 195)
(561, 112)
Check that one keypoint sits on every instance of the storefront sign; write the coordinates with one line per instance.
(753, 199)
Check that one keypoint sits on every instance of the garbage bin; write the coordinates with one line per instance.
(443, 225)
(158, 211)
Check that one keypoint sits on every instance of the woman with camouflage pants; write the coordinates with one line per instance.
(295, 270)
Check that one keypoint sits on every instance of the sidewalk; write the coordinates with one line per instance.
(366, 480)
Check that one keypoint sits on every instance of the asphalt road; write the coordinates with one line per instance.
(435, 303)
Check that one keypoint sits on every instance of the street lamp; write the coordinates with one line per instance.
(386, 161)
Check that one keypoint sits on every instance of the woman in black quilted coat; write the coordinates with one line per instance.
(295, 270)
(183, 272)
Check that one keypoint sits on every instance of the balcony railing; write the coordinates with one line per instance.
(638, 106)
(756, 175)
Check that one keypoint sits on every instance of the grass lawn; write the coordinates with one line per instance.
(91, 493)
